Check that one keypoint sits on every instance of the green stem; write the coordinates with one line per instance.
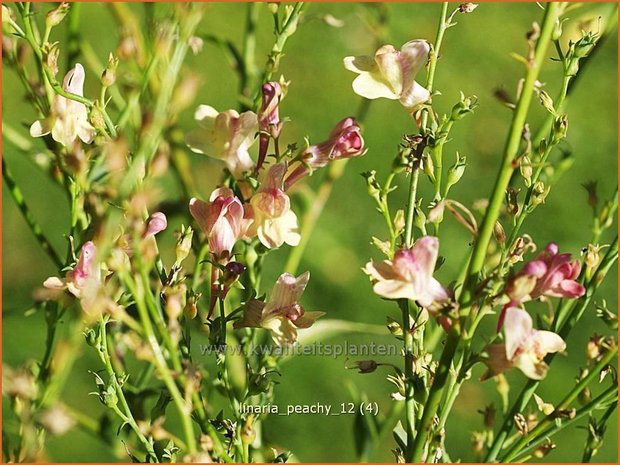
(532, 385)
(552, 13)
(434, 397)
(409, 400)
(126, 415)
(413, 188)
(18, 197)
(563, 405)
(160, 361)
(607, 396)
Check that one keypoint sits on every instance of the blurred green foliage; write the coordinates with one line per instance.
(476, 60)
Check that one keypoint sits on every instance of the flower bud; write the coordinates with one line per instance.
(609, 318)
(435, 215)
(365, 366)
(455, 173)
(50, 57)
(512, 204)
(191, 307)
(525, 167)
(394, 327)
(55, 16)
(467, 7)
(539, 193)
(108, 77)
(374, 189)
(184, 244)
(464, 107)
(499, 233)
(96, 117)
(560, 127)
(419, 218)
(544, 449)
(591, 258)
(248, 433)
(546, 101)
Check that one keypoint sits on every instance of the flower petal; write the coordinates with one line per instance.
(517, 328)
(287, 290)
(373, 86)
(41, 127)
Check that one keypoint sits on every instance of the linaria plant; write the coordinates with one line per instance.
(149, 269)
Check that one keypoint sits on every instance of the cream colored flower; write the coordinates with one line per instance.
(68, 119)
(391, 73)
(525, 347)
(281, 314)
(226, 136)
(274, 221)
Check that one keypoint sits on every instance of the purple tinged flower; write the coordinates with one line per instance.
(410, 274)
(85, 273)
(391, 74)
(68, 119)
(268, 119)
(281, 314)
(344, 141)
(524, 347)
(157, 223)
(221, 219)
(551, 274)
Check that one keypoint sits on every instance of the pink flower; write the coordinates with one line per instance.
(157, 223)
(410, 274)
(552, 274)
(268, 118)
(282, 315)
(226, 136)
(68, 120)
(274, 221)
(344, 141)
(222, 220)
(85, 273)
(525, 347)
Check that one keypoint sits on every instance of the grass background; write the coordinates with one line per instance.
(475, 59)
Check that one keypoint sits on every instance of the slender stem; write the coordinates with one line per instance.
(564, 404)
(413, 188)
(18, 197)
(434, 397)
(432, 65)
(530, 388)
(160, 361)
(552, 13)
(126, 414)
(409, 400)
(607, 396)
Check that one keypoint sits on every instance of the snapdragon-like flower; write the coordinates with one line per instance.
(68, 119)
(221, 219)
(269, 122)
(85, 273)
(391, 73)
(551, 274)
(274, 221)
(409, 275)
(525, 347)
(281, 314)
(226, 136)
(344, 141)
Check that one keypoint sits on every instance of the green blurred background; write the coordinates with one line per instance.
(475, 59)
